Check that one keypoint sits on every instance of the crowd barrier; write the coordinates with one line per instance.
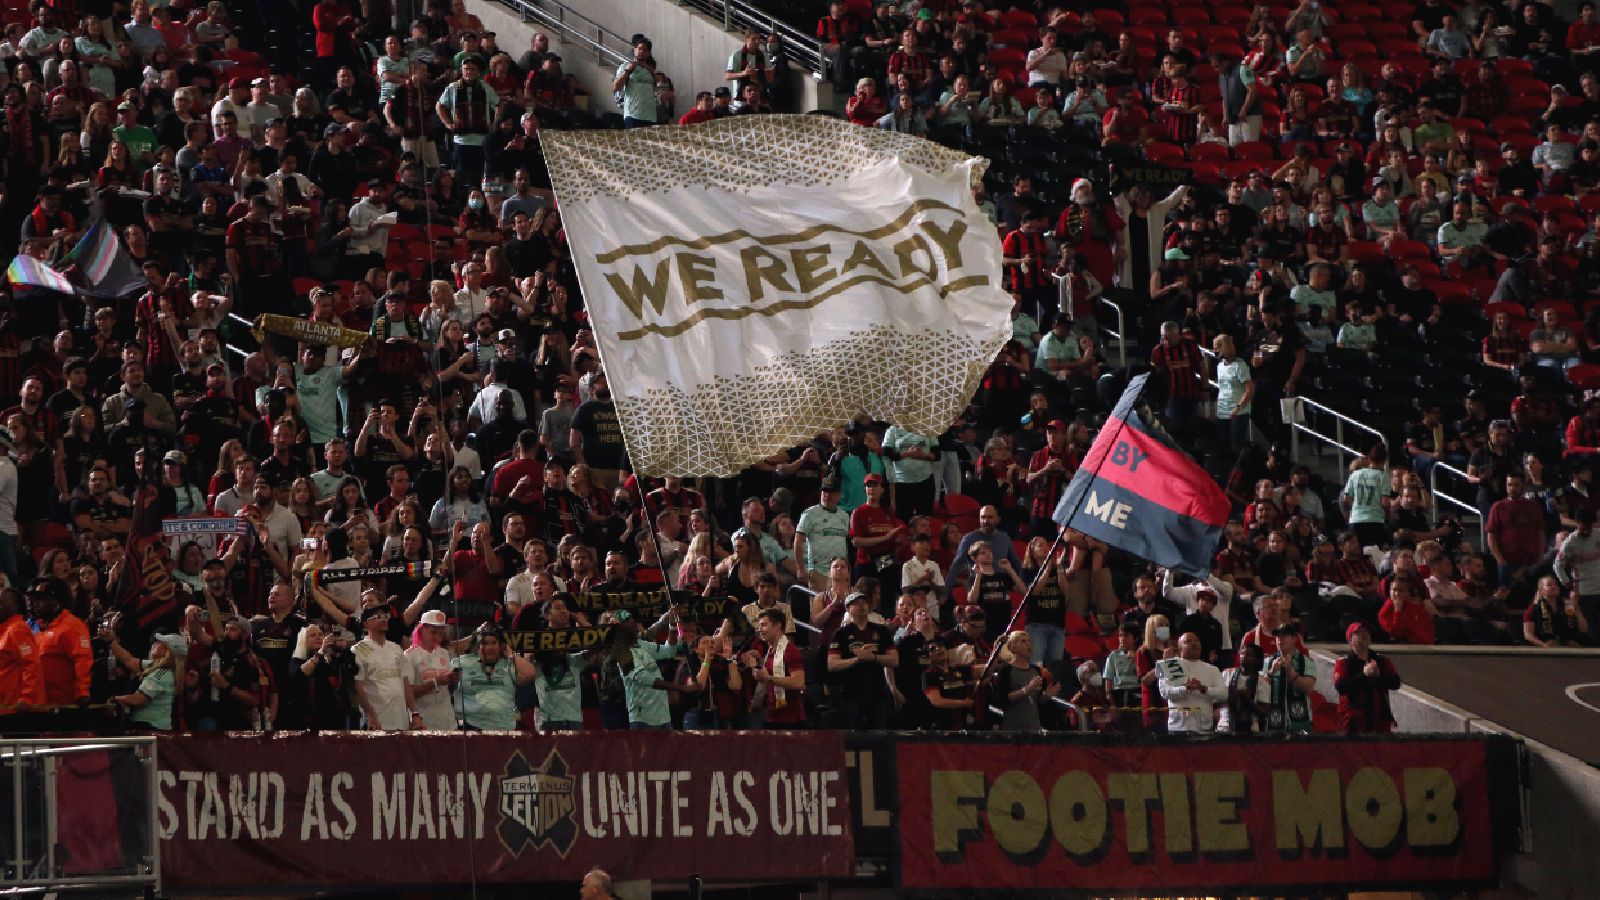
(935, 812)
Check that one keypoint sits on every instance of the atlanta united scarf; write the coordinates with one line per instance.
(321, 577)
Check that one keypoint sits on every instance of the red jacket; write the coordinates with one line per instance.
(20, 679)
(328, 20)
(1410, 625)
(1581, 437)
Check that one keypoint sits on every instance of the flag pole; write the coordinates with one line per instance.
(1061, 534)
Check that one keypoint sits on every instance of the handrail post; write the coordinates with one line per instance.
(1338, 435)
(1433, 495)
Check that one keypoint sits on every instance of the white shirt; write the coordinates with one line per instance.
(347, 594)
(1192, 711)
(438, 713)
(8, 496)
(472, 303)
(283, 527)
(1186, 596)
(484, 405)
(368, 238)
(380, 670)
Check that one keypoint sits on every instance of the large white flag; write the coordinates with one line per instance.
(759, 279)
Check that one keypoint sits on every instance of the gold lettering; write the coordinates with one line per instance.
(1175, 812)
(905, 251)
(948, 239)
(862, 255)
(1018, 814)
(1216, 812)
(1431, 816)
(698, 273)
(760, 265)
(1306, 816)
(809, 267)
(956, 798)
(1078, 814)
(1135, 791)
(1372, 807)
(633, 295)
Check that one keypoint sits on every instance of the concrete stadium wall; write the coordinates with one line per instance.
(1563, 802)
(515, 37)
(691, 48)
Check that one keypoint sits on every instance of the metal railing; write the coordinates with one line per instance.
(575, 29)
(1458, 503)
(1341, 424)
(1121, 332)
(804, 50)
(34, 857)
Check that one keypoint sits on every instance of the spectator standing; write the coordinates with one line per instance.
(382, 689)
(1578, 567)
(860, 654)
(1192, 687)
(635, 86)
(21, 678)
(1292, 674)
(1364, 679)
(488, 680)
(1516, 538)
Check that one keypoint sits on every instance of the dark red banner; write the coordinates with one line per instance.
(300, 810)
(1211, 815)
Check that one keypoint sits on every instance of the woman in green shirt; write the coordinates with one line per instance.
(487, 683)
(150, 705)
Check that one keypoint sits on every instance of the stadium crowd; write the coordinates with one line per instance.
(1328, 201)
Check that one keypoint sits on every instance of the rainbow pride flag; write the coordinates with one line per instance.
(30, 272)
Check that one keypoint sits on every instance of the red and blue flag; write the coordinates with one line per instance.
(1139, 493)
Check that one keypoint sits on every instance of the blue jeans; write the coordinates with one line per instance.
(640, 726)
(701, 720)
(630, 122)
(1049, 642)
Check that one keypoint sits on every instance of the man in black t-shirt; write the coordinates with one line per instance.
(860, 651)
(1277, 356)
(596, 437)
(274, 636)
(99, 512)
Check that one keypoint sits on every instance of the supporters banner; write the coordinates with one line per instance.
(756, 280)
(1200, 816)
(302, 810)
(1139, 493)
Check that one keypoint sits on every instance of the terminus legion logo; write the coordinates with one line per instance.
(536, 806)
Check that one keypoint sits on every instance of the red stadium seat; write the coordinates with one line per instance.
(1217, 153)
(1514, 310)
(1584, 377)
(1020, 19)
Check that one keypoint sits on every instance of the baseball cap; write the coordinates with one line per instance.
(830, 484)
(239, 82)
(373, 612)
(332, 129)
(1175, 253)
(1507, 145)
(505, 334)
(216, 367)
(259, 82)
(872, 478)
(54, 588)
(126, 105)
(433, 617)
(175, 456)
(1055, 425)
(1351, 630)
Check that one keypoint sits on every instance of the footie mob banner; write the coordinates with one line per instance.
(301, 810)
(1223, 815)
